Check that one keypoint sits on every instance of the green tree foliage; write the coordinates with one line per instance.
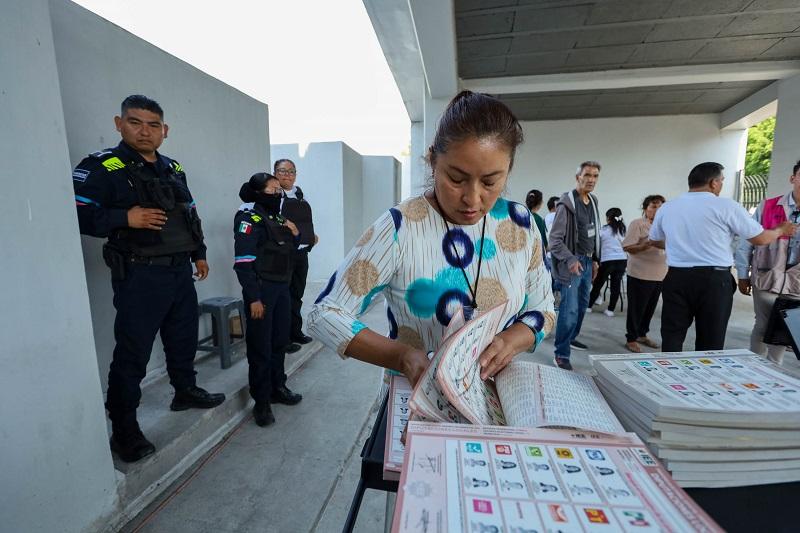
(759, 147)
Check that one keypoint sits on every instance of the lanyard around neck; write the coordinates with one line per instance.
(473, 292)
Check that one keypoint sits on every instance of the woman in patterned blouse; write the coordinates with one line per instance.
(459, 245)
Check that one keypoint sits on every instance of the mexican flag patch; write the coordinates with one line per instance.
(245, 227)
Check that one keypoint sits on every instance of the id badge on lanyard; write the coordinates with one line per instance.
(590, 230)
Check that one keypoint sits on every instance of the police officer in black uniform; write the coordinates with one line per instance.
(264, 245)
(296, 208)
(139, 200)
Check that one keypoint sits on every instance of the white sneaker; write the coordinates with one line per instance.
(608, 313)
(588, 310)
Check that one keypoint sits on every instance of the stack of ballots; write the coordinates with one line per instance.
(715, 419)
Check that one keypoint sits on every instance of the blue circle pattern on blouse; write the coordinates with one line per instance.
(456, 238)
(370, 295)
(500, 209)
(441, 295)
(397, 217)
(449, 304)
(532, 319)
(392, 323)
(357, 326)
(327, 290)
(519, 214)
(489, 248)
(421, 297)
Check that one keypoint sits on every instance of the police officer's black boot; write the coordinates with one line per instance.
(283, 395)
(127, 439)
(194, 396)
(262, 414)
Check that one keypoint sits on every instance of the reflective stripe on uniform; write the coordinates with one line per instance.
(82, 200)
(113, 163)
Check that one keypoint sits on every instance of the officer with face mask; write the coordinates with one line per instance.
(138, 198)
(264, 244)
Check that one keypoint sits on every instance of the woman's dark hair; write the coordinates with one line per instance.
(259, 180)
(475, 115)
(615, 222)
(279, 161)
(551, 203)
(702, 174)
(533, 200)
(650, 199)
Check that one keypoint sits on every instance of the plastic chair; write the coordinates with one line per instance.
(222, 340)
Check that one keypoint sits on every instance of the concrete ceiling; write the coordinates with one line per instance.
(636, 101)
(505, 39)
(527, 37)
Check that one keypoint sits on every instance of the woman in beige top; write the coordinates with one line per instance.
(647, 266)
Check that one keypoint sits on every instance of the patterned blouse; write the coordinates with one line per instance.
(406, 256)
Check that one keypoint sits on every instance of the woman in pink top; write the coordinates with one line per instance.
(647, 266)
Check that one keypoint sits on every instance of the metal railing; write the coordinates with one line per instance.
(751, 189)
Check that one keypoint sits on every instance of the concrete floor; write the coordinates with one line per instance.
(300, 474)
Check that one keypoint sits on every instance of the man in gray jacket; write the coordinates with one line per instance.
(575, 251)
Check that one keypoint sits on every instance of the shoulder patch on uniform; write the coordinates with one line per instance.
(113, 163)
(177, 166)
(80, 174)
(245, 227)
(255, 218)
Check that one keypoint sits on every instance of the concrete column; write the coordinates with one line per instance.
(57, 473)
(786, 150)
(433, 108)
(417, 158)
(421, 138)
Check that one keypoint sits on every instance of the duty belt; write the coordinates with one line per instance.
(159, 260)
(701, 268)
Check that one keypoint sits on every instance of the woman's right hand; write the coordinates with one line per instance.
(413, 363)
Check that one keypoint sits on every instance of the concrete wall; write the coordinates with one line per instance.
(347, 192)
(640, 156)
(352, 176)
(56, 472)
(786, 149)
(381, 186)
(218, 134)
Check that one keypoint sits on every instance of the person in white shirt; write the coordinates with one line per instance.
(697, 230)
(551, 215)
(613, 260)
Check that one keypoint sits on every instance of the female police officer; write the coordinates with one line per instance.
(264, 242)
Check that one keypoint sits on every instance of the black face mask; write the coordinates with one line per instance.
(271, 203)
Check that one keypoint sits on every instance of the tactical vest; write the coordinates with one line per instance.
(768, 264)
(274, 254)
(182, 232)
(299, 211)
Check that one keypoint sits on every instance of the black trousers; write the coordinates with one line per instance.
(615, 270)
(297, 286)
(702, 294)
(267, 339)
(642, 301)
(149, 300)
